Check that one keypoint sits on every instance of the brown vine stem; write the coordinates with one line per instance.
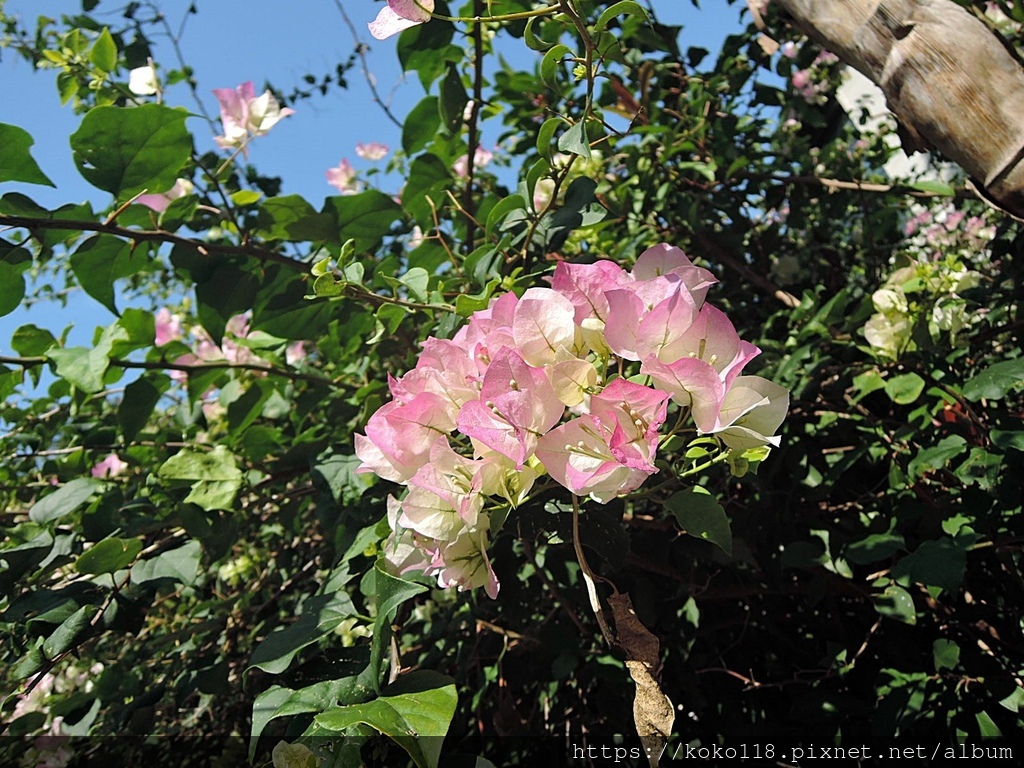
(716, 252)
(473, 139)
(30, 223)
(589, 576)
(32, 362)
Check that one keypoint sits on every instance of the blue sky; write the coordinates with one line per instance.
(227, 43)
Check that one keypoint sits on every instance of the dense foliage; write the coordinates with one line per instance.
(193, 566)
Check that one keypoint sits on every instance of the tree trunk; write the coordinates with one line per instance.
(946, 76)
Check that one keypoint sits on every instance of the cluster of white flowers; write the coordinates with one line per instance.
(924, 297)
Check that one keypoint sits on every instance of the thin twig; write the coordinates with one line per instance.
(30, 223)
(361, 49)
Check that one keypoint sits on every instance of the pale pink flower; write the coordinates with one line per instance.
(295, 353)
(159, 202)
(543, 193)
(463, 563)
(801, 79)
(579, 456)
(111, 466)
(245, 115)
(372, 151)
(480, 159)
(752, 410)
(416, 238)
(168, 326)
(517, 403)
(399, 436)
(398, 15)
(343, 178)
(542, 328)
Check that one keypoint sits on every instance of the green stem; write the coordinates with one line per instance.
(701, 467)
(547, 10)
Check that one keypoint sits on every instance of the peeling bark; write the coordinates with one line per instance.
(946, 76)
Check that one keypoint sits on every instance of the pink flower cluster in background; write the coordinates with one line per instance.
(813, 83)
(539, 384)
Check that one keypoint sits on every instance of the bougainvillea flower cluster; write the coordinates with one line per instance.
(244, 115)
(574, 382)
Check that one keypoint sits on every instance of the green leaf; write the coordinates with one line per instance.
(245, 197)
(63, 638)
(981, 468)
(389, 317)
(422, 125)
(877, 546)
(366, 217)
(549, 64)
(127, 150)
(453, 99)
(247, 408)
(700, 515)
(16, 164)
(707, 170)
(934, 187)
(225, 292)
(545, 136)
(65, 500)
(389, 592)
(139, 401)
(213, 475)
(291, 217)
(896, 603)
(180, 565)
(533, 42)
(13, 263)
(140, 326)
(429, 177)
(938, 456)
(104, 52)
(580, 209)
(623, 8)
(996, 381)
(1007, 439)
(904, 389)
(321, 615)
(278, 701)
(85, 367)
(867, 382)
(946, 654)
(280, 308)
(336, 474)
(466, 305)
(416, 712)
(575, 141)
(108, 556)
(103, 259)
(938, 563)
(416, 280)
(31, 340)
(501, 211)
(426, 49)
(987, 727)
